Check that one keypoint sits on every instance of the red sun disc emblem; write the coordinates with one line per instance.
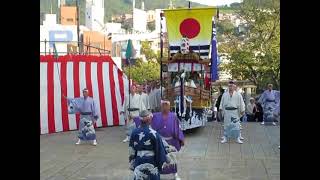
(190, 28)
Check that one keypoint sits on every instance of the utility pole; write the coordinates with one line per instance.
(50, 7)
(133, 6)
(161, 52)
(78, 25)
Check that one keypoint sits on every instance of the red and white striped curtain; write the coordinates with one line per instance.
(107, 84)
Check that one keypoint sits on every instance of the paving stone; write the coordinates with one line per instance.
(203, 157)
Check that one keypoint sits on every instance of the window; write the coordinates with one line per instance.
(69, 20)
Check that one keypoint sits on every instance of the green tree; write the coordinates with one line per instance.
(143, 71)
(224, 27)
(235, 5)
(147, 51)
(256, 55)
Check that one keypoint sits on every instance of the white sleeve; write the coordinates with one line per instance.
(242, 105)
(141, 104)
(221, 102)
(147, 101)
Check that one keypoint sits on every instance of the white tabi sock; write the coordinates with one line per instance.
(79, 142)
(94, 142)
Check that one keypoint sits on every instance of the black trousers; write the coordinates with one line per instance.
(219, 116)
(259, 116)
(251, 118)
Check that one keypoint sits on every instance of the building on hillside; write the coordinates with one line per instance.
(151, 15)
(139, 20)
(68, 15)
(121, 18)
(63, 36)
(114, 28)
(233, 18)
(95, 15)
(49, 19)
(96, 43)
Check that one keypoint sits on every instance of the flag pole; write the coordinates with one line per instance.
(56, 57)
(161, 53)
(78, 25)
(129, 80)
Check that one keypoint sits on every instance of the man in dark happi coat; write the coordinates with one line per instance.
(147, 153)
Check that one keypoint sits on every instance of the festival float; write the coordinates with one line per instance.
(187, 72)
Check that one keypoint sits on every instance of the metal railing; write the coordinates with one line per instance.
(84, 49)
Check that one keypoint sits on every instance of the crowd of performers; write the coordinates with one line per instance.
(153, 131)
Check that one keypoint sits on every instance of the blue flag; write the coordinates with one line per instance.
(214, 54)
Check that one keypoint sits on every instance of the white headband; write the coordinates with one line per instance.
(165, 102)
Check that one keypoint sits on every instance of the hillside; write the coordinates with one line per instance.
(113, 7)
(118, 7)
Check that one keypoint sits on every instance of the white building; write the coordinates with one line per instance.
(95, 15)
(50, 19)
(62, 34)
(114, 28)
(139, 20)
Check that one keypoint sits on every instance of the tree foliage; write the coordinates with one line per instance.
(235, 5)
(148, 52)
(144, 71)
(149, 70)
(256, 54)
(224, 27)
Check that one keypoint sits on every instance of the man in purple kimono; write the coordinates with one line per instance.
(88, 116)
(166, 124)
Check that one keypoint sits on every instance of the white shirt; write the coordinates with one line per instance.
(135, 102)
(145, 100)
(235, 100)
(250, 108)
(151, 99)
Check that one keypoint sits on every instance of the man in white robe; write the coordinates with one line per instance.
(232, 107)
(132, 109)
(152, 97)
(144, 97)
(157, 98)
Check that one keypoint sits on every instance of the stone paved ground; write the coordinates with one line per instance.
(202, 158)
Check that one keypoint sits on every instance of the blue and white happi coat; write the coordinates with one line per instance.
(270, 101)
(147, 153)
(88, 115)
